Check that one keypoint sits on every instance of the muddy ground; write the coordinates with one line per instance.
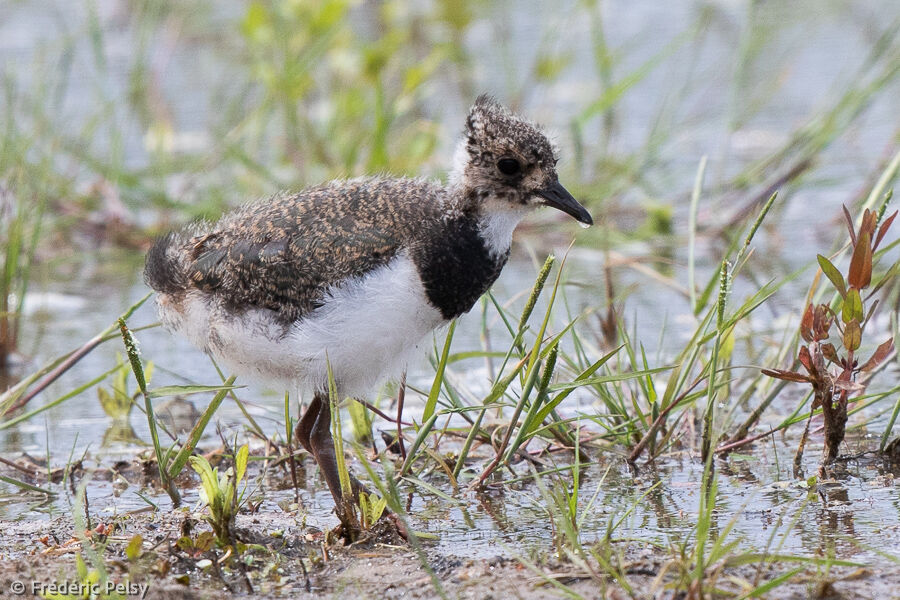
(300, 565)
(284, 554)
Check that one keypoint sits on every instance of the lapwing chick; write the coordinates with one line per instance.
(356, 273)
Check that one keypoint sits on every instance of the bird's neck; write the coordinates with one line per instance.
(496, 222)
(495, 217)
(463, 259)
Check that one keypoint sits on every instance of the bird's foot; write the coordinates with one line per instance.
(388, 530)
(344, 534)
(349, 530)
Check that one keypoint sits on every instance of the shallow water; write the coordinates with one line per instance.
(849, 518)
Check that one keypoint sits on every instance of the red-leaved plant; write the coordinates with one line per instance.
(833, 384)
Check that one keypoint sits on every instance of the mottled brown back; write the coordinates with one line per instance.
(285, 252)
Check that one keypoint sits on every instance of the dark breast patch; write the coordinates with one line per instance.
(456, 267)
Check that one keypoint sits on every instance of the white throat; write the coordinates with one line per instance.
(497, 225)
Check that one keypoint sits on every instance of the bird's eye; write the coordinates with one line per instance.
(508, 166)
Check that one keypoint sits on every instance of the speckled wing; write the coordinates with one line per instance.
(283, 254)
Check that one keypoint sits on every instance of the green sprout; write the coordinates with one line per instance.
(371, 507)
(219, 492)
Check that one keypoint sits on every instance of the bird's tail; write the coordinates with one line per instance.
(164, 269)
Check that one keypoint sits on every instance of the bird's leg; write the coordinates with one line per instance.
(314, 433)
(317, 430)
(322, 445)
(304, 427)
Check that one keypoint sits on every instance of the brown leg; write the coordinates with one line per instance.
(322, 448)
(304, 427)
(314, 432)
(322, 445)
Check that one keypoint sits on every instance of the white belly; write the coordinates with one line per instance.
(368, 330)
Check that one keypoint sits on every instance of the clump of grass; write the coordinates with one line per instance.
(695, 368)
(371, 508)
(832, 369)
(19, 233)
(219, 491)
(561, 498)
(169, 461)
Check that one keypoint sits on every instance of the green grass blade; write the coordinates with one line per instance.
(134, 357)
(186, 390)
(692, 231)
(337, 434)
(26, 486)
(431, 402)
(184, 453)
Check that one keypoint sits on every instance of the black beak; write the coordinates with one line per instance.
(558, 197)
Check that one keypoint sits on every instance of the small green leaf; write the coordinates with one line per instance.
(120, 378)
(240, 463)
(852, 335)
(852, 306)
(209, 478)
(80, 567)
(833, 275)
(378, 509)
(185, 544)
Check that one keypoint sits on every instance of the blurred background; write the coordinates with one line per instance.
(122, 117)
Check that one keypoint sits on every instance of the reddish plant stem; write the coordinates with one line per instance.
(61, 368)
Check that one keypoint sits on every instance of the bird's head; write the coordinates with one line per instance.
(508, 161)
